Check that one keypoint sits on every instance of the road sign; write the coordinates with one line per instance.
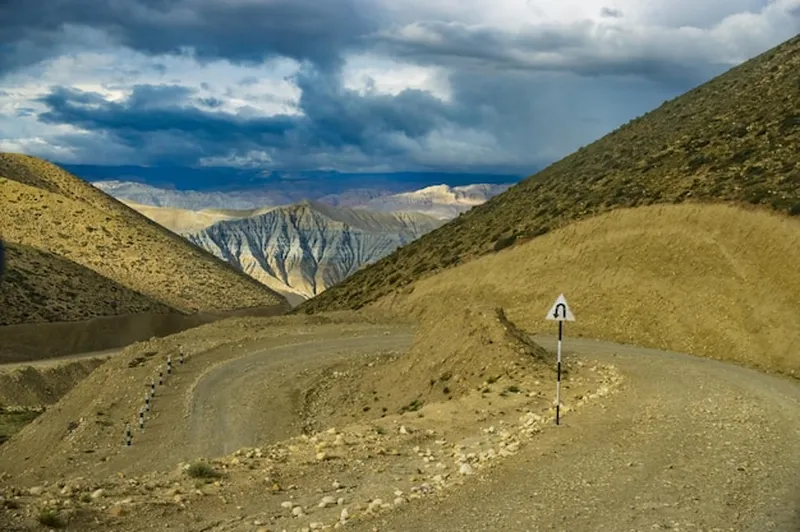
(560, 310)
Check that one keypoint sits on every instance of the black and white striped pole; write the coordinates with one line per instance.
(128, 435)
(560, 312)
(180, 357)
(152, 387)
(160, 377)
(169, 364)
(141, 418)
(147, 401)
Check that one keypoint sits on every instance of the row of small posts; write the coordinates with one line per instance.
(163, 372)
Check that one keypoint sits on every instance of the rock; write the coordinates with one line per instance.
(36, 491)
(96, 494)
(403, 429)
(336, 485)
(315, 525)
(344, 515)
(322, 455)
(297, 511)
(340, 501)
(398, 501)
(375, 504)
(465, 469)
(177, 499)
(287, 504)
(116, 511)
(327, 501)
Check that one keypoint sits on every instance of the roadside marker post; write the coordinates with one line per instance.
(128, 435)
(153, 387)
(141, 418)
(559, 312)
(180, 358)
(169, 364)
(147, 401)
(161, 377)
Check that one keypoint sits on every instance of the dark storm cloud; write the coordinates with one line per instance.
(333, 118)
(241, 31)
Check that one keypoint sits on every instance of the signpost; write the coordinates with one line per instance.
(560, 312)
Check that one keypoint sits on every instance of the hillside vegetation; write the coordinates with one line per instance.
(734, 139)
(76, 253)
(713, 280)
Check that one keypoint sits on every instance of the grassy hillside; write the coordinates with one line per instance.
(713, 280)
(76, 253)
(734, 139)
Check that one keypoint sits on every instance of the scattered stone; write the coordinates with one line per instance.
(327, 501)
(36, 491)
(465, 469)
(287, 504)
(297, 511)
(96, 494)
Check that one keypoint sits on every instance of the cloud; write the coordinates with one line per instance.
(242, 31)
(506, 85)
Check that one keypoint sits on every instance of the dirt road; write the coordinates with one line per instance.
(255, 398)
(687, 444)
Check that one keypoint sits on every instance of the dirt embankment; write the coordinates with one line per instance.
(454, 353)
(32, 387)
(38, 341)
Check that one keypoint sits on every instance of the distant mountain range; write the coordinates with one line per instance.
(302, 248)
(446, 200)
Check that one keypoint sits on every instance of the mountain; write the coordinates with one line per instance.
(302, 249)
(186, 221)
(439, 201)
(75, 253)
(733, 139)
(193, 200)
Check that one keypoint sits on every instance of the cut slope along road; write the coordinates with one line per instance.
(687, 443)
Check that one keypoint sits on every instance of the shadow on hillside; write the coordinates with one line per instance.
(36, 287)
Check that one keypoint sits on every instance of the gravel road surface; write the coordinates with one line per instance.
(687, 444)
(229, 405)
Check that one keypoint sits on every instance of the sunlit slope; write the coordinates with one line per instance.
(81, 230)
(710, 280)
(734, 139)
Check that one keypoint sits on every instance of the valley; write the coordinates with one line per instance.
(414, 387)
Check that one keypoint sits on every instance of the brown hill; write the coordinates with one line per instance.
(733, 139)
(713, 280)
(76, 253)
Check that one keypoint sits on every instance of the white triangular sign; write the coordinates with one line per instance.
(560, 310)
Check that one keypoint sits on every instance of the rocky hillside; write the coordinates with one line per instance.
(76, 253)
(733, 139)
(300, 250)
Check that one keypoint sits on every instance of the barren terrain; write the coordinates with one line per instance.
(75, 253)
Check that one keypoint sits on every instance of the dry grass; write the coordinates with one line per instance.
(733, 139)
(77, 253)
(710, 280)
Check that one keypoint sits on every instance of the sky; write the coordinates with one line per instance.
(356, 85)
